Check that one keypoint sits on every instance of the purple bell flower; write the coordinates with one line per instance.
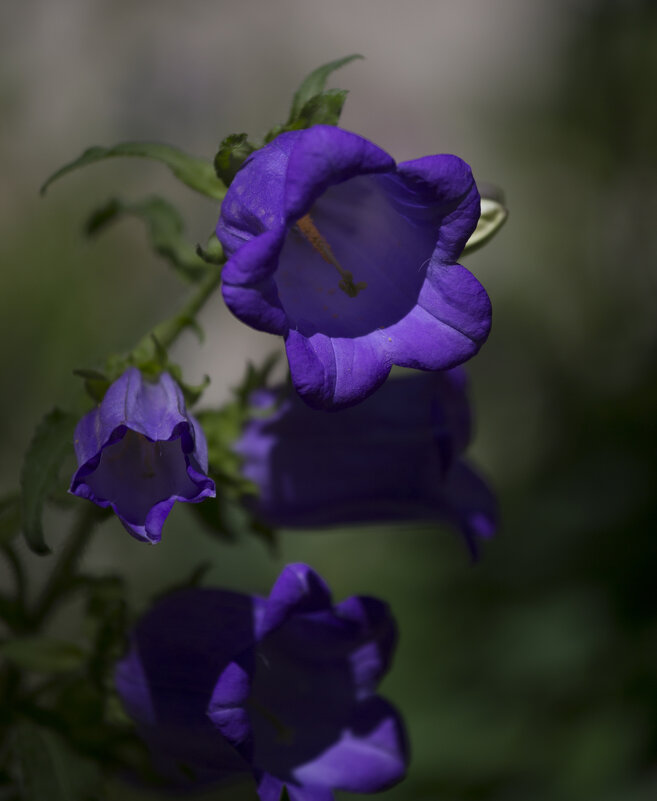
(284, 688)
(397, 456)
(139, 452)
(352, 259)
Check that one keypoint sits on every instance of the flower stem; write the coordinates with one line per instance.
(165, 333)
(60, 582)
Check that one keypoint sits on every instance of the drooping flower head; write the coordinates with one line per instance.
(352, 259)
(139, 452)
(283, 688)
(396, 456)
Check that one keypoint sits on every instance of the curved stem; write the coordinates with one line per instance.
(66, 566)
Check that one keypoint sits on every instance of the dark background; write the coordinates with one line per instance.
(531, 676)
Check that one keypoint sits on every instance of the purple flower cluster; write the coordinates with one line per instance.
(353, 260)
(284, 688)
(139, 452)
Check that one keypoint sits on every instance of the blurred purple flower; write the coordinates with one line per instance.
(139, 452)
(284, 688)
(397, 456)
(352, 259)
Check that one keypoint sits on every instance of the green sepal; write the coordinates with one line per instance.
(322, 109)
(492, 218)
(194, 172)
(43, 654)
(213, 252)
(233, 152)
(285, 796)
(165, 231)
(312, 103)
(49, 768)
(314, 85)
(52, 441)
(192, 392)
(96, 383)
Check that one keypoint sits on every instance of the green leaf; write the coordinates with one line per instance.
(322, 109)
(233, 152)
(165, 230)
(314, 84)
(43, 654)
(492, 218)
(194, 172)
(50, 770)
(52, 440)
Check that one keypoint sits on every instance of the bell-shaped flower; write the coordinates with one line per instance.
(353, 260)
(283, 688)
(139, 452)
(396, 456)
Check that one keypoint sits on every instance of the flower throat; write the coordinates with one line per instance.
(309, 231)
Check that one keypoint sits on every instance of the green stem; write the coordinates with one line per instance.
(65, 569)
(165, 333)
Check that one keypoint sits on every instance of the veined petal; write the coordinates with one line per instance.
(333, 373)
(449, 324)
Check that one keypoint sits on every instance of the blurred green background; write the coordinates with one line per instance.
(533, 674)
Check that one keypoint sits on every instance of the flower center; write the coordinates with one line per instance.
(308, 230)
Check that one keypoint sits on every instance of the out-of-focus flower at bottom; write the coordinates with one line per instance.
(396, 456)
(284, 688)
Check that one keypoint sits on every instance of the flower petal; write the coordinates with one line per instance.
(370, 755)
(371, 659)
(298, 589)
(257, 305)
(444, 185)
(322, 157)
(450, 323)
(333, 373)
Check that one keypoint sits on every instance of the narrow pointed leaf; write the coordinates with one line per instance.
(52, 440)
(194, 172)
(314, 84)
(493, 216)
(165, 230)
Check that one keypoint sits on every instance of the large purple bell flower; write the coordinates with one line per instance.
(397, 456)
(139, 452)
(353, 260)
(284, 688)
